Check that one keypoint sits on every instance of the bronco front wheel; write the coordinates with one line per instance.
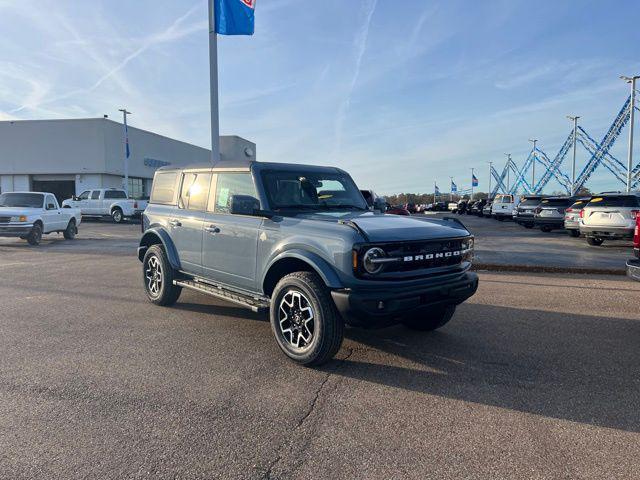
(431, 320)
(304, 320)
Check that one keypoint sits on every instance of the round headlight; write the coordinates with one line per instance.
(368, 263)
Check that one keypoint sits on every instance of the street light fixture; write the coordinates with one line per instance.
(632, 104)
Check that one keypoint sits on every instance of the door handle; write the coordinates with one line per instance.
(212, 229)
(175, 223)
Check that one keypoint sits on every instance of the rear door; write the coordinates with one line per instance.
(94, 203)
(230, 242)
(616, 211)
(186, 225)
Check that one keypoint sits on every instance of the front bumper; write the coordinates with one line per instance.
(633, 268)
(383, 307)
(15, 231)
(607, 232)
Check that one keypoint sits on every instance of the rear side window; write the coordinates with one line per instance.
(164, 188)
(95, 195)
(629, 201)
(230, 184)
(195, 190)
(115, 194)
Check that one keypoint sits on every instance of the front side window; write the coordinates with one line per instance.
(195, 191)
(50, 201)
(24, 200)
(312, 190)
(84, 195)
(229, 184)
(95, 195)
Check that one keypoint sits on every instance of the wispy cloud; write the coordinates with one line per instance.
(360, 47)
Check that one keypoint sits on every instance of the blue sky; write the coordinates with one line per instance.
(398, 93)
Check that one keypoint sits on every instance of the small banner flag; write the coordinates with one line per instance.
(437, 190)
(234, 17)
(454, 187)
(474, 181)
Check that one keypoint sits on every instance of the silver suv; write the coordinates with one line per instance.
(572, 217)
(610, 216)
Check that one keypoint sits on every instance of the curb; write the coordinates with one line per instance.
(547, 269)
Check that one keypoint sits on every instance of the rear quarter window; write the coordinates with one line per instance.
(163, 190)
(110, 194)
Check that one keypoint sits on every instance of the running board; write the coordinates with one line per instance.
(255, 304)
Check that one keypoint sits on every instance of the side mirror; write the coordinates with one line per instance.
(74, 198)
(380, 205)
(244, 205)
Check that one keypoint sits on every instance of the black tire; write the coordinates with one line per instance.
(117, 216)
(35, 235)
(545, 228)
(595, 241)
(574, 233)
(162, 292)
(71, 230)
(431, 320)
(327, 328)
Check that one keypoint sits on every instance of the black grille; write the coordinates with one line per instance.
(421, 255)
(5, 219)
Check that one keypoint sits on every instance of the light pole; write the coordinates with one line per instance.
(533, 177)
(508, 172)
(472, 177)
(125, 135)
(574, 119)
(490, 174)
(632, 81)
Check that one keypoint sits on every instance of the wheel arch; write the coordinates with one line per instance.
(158, 236)
(295, 261)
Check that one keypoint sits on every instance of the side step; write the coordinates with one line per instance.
(255, 304)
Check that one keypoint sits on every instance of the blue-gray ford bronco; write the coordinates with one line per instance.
(301, 242)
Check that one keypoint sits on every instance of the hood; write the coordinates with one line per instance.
(17, 211)
(394, 228)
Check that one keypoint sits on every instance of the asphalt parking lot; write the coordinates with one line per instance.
(537, 376)
(508, 244)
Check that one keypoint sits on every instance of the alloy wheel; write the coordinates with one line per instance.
(153, 274)
(296, 319)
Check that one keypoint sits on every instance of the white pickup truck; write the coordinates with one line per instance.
(29, 215)
(106, 202)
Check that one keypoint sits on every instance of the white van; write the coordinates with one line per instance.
(504, 205)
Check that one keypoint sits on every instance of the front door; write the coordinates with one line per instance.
(229, 245)
(186, 226)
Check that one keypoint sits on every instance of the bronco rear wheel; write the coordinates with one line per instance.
(431, 320)
(158, 276)
(304, 320)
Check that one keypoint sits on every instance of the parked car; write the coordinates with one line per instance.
(526, 210)
(633, 265)
(374, 201)
(477, 207)
(503, 206)
(106, 202)
(439, 207)
(572, 217)
(462, 207)
(410, 207)
(29, 215)
(397, 210)
(609, 216)
(452, 206)
(299, 241)
(486, 211)
(550, 213)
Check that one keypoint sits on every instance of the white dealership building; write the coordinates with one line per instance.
(67, 157)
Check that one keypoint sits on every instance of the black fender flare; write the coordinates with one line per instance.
(315, 261)
(151, 237)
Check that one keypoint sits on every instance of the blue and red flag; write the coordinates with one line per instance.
(234, 17)
(454, 187)
(474, 181)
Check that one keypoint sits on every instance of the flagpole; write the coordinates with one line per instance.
(213, 84)
(472, 176)
(125, 140)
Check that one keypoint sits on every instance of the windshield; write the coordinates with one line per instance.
(629, 201)
(312, 191)
(504, 199)
(25, 200)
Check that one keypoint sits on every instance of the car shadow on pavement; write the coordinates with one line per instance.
(559, 365)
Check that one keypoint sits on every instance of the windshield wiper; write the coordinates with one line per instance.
(343, 207)
(298, 207)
